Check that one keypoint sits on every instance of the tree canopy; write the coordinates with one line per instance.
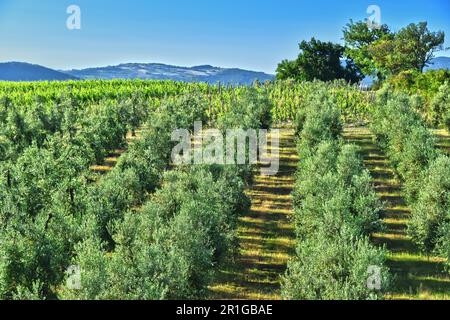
(319, 61)
(358, 38)
(412, 48)
(376, 52)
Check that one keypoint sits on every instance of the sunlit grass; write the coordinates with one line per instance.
(443, 138)
(112, 158)
(407, 256)
(266, 235)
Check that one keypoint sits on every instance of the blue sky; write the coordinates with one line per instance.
(250, 34)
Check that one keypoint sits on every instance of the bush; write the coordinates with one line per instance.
(334, 270)
(171, 248)
(443, 245)
(406, 140)
(432, 209)
(219, 201)
(104, 130)
(416, 153)
(440, 105)
(447, 120)
(321, 122)
(432, 86)
(334, 192)
(251, 110)
(30, 253)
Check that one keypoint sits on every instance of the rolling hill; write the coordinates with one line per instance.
(439, 63)
(157, 71)
(20, 71)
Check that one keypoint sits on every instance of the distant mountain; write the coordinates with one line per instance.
(20, 71)
(439, 63)
(157, 71)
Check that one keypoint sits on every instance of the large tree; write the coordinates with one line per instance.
(419, 44)
(412, 48)
(319, 60)
(358, 36)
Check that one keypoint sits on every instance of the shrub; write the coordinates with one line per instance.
(334, 192)
(29, 255)
(103, 130)
(432, 209)
(407, 142)
(334, 270)
(432, 86)
(443, 245)
(251, 110)
(424, 172)
(440, 105)
(447, 120)
(171, 248)
(417, 152)
(322, 121)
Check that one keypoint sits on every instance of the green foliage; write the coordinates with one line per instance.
(168, 250)
(358, 37)
(440, 105)
(447, 120)
(336, 209)
(443, 245)
(408, 143)
(287, 69)
(431, 90)
(103, 130)
(412, 48)
(424, 172)
(290, 99)
(419, 44)
(319, 120)
(137, 232)
(319, 61)
(48, 204)
(431, 212)
(152, 260)
(332, 188)
(33, 251)
(426, 84)
(251, 110)
(334, 270)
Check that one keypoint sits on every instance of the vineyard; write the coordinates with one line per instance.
(360, 208)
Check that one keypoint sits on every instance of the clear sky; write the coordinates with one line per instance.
(250, 34)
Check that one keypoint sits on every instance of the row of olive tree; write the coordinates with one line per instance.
(172, 247)
(49, 203)
(336, 208)
(101, 127)
(424, 170)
